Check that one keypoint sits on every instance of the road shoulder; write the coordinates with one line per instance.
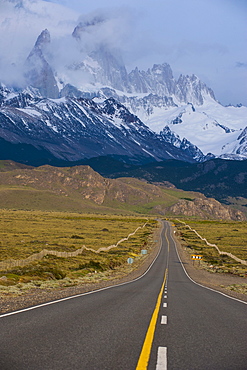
(217, 281)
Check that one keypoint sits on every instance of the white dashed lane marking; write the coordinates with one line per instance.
(163, 319)
(162, 351)
(161, 359)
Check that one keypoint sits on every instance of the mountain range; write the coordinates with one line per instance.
(218, 178)
(88, 105)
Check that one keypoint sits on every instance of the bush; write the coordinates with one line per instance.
(94, 265)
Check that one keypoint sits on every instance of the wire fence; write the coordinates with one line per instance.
(243, 262)
(8, 264)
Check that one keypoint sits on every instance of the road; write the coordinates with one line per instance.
(161, 320)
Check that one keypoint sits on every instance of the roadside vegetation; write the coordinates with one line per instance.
(229, 236)
(23, 233)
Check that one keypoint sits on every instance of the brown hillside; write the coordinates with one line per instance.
(82, 189)
(8, 165)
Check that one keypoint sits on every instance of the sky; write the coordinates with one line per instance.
(203, 37)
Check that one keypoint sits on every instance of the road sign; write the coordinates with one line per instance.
(196, 256)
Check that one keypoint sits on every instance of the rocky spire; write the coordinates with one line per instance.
(39, 73)
(43, 39)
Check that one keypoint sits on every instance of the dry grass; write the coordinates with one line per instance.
(229, 236)
(23, 233)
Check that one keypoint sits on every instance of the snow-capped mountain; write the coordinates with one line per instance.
(71, 94)
(72, 129)
(211, 127)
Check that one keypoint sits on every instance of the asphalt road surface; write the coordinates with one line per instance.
(162, 320)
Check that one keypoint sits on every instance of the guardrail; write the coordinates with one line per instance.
(243, 262)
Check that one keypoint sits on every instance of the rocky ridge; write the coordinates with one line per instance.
(72, 129)
(205, 208)
(82, 184)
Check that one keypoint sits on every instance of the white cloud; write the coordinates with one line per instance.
(205, 37)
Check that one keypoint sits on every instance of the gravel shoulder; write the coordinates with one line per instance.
(217, 281)
(38, 296)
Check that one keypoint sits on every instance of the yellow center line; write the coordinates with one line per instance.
(147, 345)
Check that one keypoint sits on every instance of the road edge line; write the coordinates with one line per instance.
(203, 286)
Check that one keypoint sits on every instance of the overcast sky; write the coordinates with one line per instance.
(204, 37)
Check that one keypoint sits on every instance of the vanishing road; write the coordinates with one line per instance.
(162, 320)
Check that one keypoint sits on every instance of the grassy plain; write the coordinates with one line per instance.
(229, 236)
(23, 233)
(28, 198)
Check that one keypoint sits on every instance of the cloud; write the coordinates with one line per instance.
(205, 37)
(107, 28)
(13, 74)
(241, 65)
(110, 27)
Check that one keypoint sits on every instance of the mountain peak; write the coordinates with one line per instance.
(39, 73)
(43, 39)
(84, 26)
(164, 67)
(191, 89)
